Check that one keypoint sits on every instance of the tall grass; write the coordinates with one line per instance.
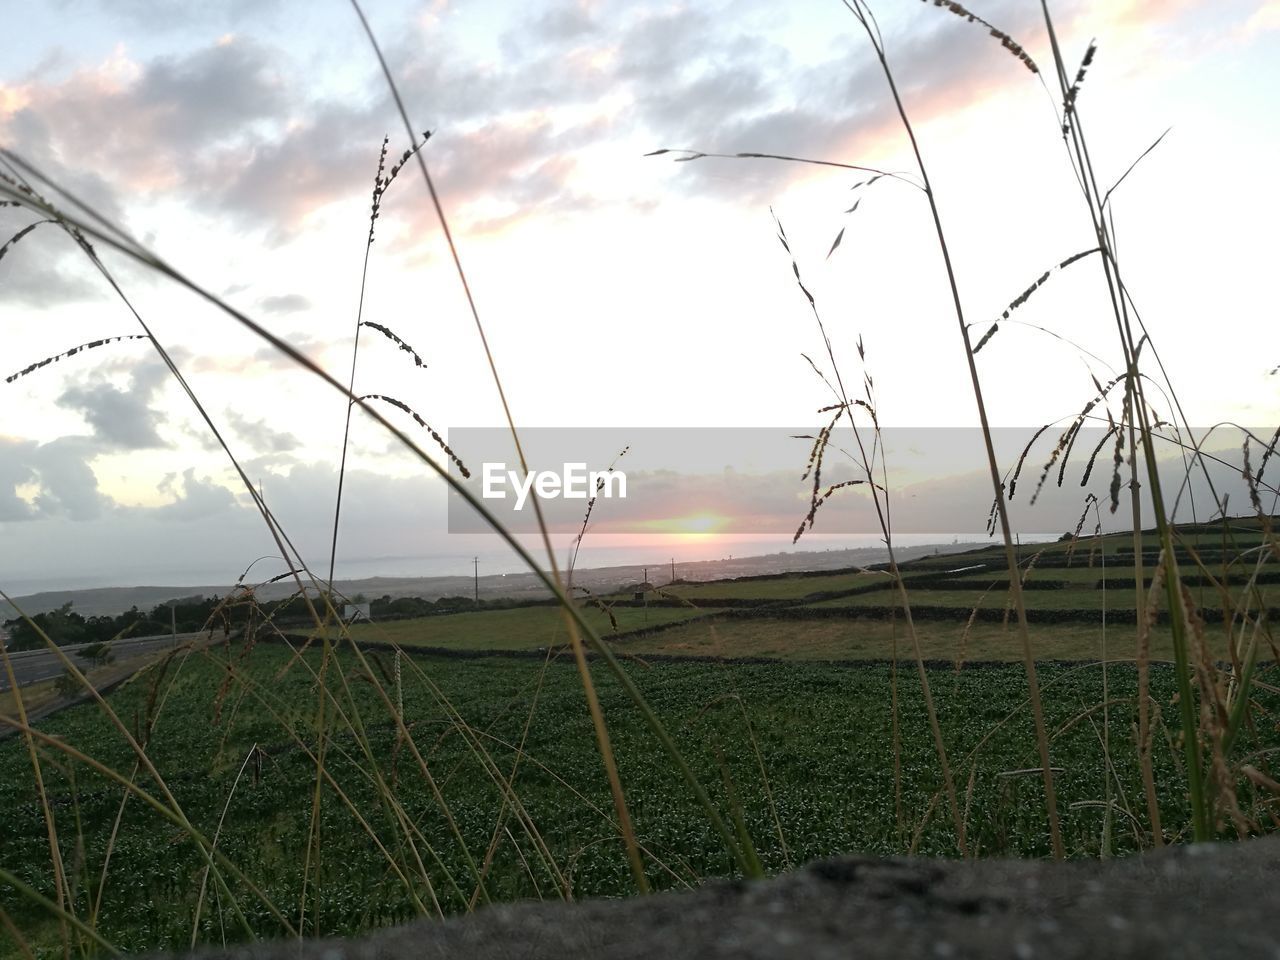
(375, 761)
(86, 226)
(1204, 714)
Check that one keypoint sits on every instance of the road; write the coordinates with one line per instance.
(33, 666)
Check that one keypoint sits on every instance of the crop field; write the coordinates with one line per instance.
(801, 754)
(521, 628)
(779, 588)
(818, 617)
(326, 815)
(878, 639)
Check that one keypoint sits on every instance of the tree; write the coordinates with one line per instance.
(62, 626)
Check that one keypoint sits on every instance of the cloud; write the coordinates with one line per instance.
(15, 471)
(58, 479)
(703, 87)
(237, 129)
(273, 359)
(170, 14)
(328, 151)
(122, 419)
(1265, 19)
(266, 358)
(150, 128)
(68, 486)
(260, 436)
(44, 268)
(208, 535)
(285, 303)
(567, 21)
(199, 500)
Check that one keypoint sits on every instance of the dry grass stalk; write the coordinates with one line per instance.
(574, 623)
(1066, 442)
(17, 237)
(1117, 460)
(816, 501)
(1069, 101)
(962, 644)
(1088, 469)
(91, 345)
(381, 183)
(866, 463)
(1144, 699)
(1267, 454)
(1017, 469)
(853, 209)
(586, 521)
(1089, 501)
(1006, 41)
(991, 332)
(390, 335)
(1214, 722)
(1140, 423)
(453, 457)
(687, 155)
(599, 603)
(1026, 294)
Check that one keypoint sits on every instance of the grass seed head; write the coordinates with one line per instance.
(1006, 41)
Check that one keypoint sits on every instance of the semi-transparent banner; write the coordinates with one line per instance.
(771, 480)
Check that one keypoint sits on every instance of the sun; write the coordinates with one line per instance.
(694, 527)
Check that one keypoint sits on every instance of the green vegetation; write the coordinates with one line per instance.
(787, 587)
(239, 753)
(99, 654)
(517, 628)
(64, 626)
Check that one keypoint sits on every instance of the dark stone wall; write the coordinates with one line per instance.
(1204, 901)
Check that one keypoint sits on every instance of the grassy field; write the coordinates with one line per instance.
(1082, 598)
(494, 788)
(519, 628)
(802, 754)
(875, 640)
(34, 697)
(1081, 604)
(780, 588)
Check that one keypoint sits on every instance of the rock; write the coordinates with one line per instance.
(1202, 901)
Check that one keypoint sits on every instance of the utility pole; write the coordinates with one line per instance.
(475, 564)
(673, 569)
(173, 622)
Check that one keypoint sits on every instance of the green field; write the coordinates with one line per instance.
(867, 639)
(1082, 598)
(1080, 605)
(821, 783)
(498, 790)
(518, 628)
(779, 588)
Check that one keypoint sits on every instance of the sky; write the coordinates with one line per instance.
(239, 140)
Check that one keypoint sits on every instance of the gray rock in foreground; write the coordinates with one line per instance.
(1211, 900)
